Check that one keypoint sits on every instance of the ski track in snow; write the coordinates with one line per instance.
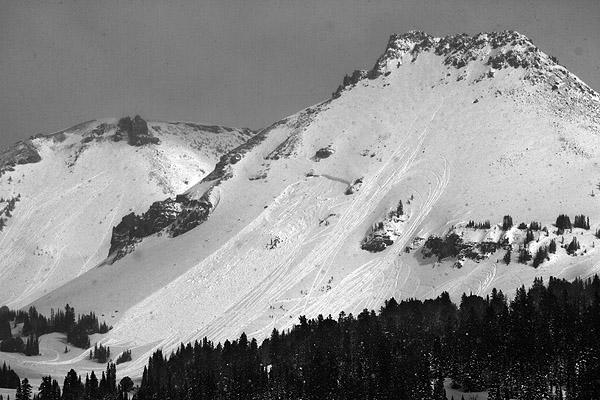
(294, 214)
(49, 235)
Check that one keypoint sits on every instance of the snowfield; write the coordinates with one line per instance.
(284, 240)
(70, 200)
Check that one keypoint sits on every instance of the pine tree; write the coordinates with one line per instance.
(552, 247)
(540, 256)
(524, 256)
(45, 389)
(563, 222)
(507, 222)
(581, 221)
(507, 257)
(400, 209)
(529, 236)
(25, 390)
(573, 246)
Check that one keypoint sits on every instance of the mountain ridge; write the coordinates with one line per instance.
(290, 208)
(64, 180)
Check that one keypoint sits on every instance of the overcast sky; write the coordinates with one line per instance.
(235, 63)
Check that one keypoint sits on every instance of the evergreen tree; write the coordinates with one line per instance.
(400, 209)
(72, 386)
(524, 256)
(45, 390)
(528, 236)
(5, 331)
(540, 256)
(581, 221)
(552, 247)
(25, 390)
(507, 222)
(506, 257)
(573, 246)
(563, 222)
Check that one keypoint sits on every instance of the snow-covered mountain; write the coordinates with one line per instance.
(62, 193)
(458, 128)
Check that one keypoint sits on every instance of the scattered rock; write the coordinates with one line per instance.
(355, 186)
(322, 153)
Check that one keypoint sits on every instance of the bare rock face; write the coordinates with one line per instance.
(23, 152)
(172, 216)
(135, 131)
(507, 49)
(133, 228)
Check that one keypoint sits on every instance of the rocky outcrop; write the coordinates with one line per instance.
(322, 153)
(171, 216)
(355, 186)
(177, 216)
(133, 228)
(384, 233)
(193, 213)
(23, 152)
(216, 129)
(135, 131)
(496, 49)
(97, 133)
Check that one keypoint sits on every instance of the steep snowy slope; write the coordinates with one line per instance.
(460, 128)
(63, 193)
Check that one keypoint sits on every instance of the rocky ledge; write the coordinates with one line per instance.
(135, 131)
(171, 216)
(496, 49)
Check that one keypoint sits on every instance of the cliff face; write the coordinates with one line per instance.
(171, 216)
(136, 132)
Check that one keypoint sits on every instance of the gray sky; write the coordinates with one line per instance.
(235, 63)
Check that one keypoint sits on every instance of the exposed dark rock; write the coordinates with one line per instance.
(136, 132)
(183, 214)
(376, 244)
(355, 186)
(325, 152)
(133, 228)
(193, 213)
(175, 216)
(515, 50)
(216, 129)
(23, 152)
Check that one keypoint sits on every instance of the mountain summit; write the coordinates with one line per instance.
(345, 204)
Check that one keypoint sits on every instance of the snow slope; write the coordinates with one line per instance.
(468, 128)
(70, 200)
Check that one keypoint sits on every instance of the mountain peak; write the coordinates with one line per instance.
(500, 49)
(486, 52)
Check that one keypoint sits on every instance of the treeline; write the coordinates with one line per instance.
(100, 353)
(8, 208)
(541, 345)
(74, 388)
(8, 378)
(77, 328)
